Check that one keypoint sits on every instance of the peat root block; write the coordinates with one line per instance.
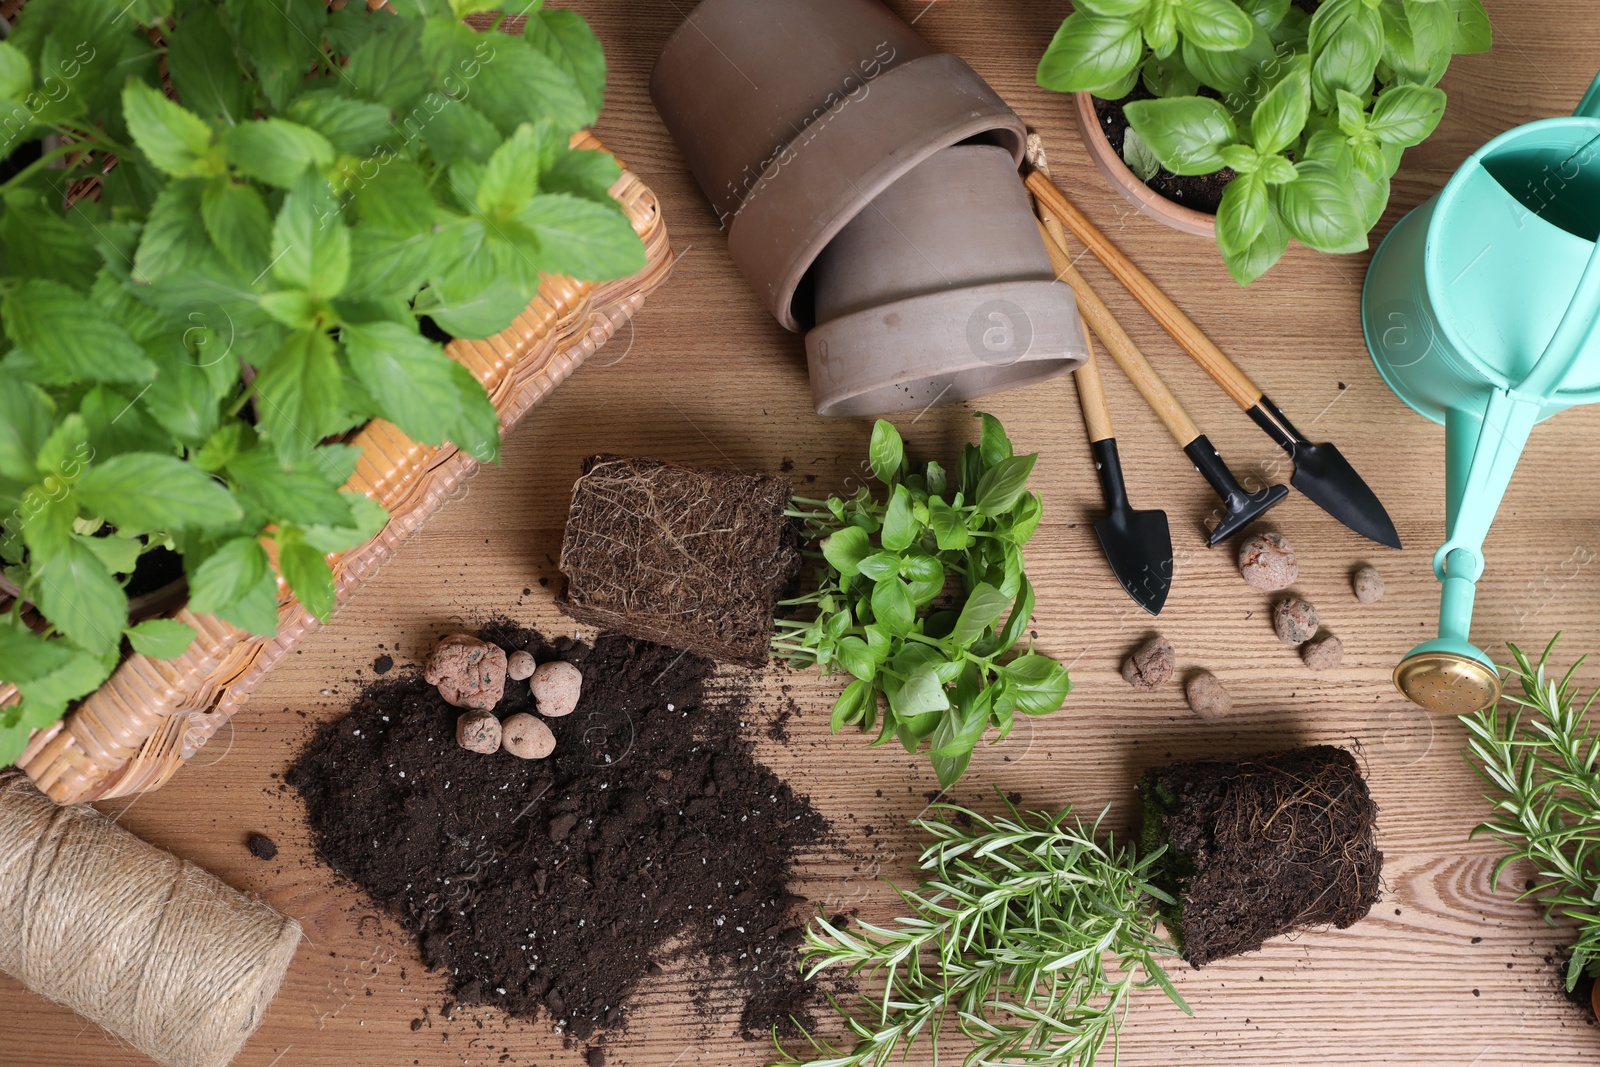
(689, 557)
(1257, 848)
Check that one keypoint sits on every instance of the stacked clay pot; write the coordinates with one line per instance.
(870, 192)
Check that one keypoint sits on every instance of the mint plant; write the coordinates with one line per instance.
(204, 289)
(921, 596)
(1310, 112)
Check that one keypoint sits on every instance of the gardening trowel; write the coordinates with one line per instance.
(1137, 544)
(1321, 473)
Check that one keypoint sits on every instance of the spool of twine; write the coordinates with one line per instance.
(148, 946)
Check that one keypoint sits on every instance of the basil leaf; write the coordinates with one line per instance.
(1187, 133)
(886, 452)
(936, 479)
(900, 527)
(880, 565)
(920, 694)
(852, 704)
(1216, 25)
(1473, 31)
(949, 527)
(1248, 262)
(144, 491)
(1001, 487)
(1038, 684)
(892, 607)
(1282, 113)
(950, 770)
(980, 612)
(1017, 622)
(846, 549)
(1346, 44)
(926, 575)
(857, 658)
(1160, 28)
(161, 638)
(1091, 53)
(407, 376)
(175, 140)
(80, 598)
(1234, 71)
(1243, 214)
(1115, 7)
(1319, 209)
(993, 444)
(1406, 115)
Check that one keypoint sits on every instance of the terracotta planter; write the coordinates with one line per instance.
(1147, 200)
(795, 114)
(941, 292)
(135, 731)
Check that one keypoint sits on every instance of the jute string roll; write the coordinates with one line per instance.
(148, 946)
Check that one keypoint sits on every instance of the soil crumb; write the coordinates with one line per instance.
(650, 839)
(383, 665)
(261, 846)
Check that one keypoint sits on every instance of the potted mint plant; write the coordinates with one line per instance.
(207, 287)
(1260, 120)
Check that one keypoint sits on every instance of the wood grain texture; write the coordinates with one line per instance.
(1445, 972)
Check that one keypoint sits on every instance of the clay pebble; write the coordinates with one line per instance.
(525, 737)
(1368, 585)
(1323, 654)
(520, 665)
(1295, 620)
(1150, 665)
(478, 731)
(1266, 561)
(556, 687)
(468, 673)
(1207, 697)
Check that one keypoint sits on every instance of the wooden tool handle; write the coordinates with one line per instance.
(1121, 346)
(1223, 370)
(1092, 398)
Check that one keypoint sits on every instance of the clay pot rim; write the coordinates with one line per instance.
(1126, 182)
(773, 212)
(926, 308)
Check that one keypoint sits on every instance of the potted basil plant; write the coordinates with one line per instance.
(1260, 120)
(206, 287)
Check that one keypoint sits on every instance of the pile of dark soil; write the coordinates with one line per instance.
(689, 557)
(1258, 848)
(1202, 192)
(553, 887)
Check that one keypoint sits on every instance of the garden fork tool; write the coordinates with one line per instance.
(1320, 471)
(1241, 507)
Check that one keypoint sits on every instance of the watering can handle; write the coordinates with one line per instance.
(1590, 108)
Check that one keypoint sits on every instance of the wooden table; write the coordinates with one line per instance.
(1445, 971)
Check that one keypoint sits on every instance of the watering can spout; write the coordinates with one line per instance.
(1590, 107)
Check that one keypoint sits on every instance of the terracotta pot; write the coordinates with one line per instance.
(795, 114)
(941, 292)
(1147, 200)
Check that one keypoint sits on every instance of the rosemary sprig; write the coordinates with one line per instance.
(1544, 769)
(1025, 929)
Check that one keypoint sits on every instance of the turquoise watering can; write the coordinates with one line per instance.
(1482, 312)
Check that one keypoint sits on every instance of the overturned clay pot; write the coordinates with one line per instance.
(795, 114)
(940, 292)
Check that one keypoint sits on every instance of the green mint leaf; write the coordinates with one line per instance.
(511, 175)
(1091, 53)
(583, 238)
(24, 655)
(144, 491)
(396, 200)
(1187, 133)
(472, 299)
(1004, 484)
(236, 583)
(300, 394)
(352, 127)
(892, 607)
(174, 240)
(80, 598)
(980, 612)
(369, 519)
(236, 218)
(204, 67)
(301, 496)
(69, 338)
(886, 452)
(307, 572)
(900, 527)
(25, 424)
(40, 243)
(582, 172)
(1283, 112)
(16, 73)
(387, 69)
(119, 554)
(512, 81)
(567, 41)
(477, 431)
(311, 244)
(407, 376)
(846, 549)
(1217, 25)
(161, 638)
(275, 151)
(175, 140)
(66, 450)
(283, 41)
(459, 132)
(389, 265)
(48, 693)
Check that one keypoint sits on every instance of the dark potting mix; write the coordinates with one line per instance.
(551, 888)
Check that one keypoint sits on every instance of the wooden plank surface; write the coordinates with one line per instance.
(1445, 971)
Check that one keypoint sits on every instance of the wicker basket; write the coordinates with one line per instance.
(151, 715)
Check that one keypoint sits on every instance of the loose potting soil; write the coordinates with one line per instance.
(553, 887)
(689, 557)
(1260, 847)
(1202, 192)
